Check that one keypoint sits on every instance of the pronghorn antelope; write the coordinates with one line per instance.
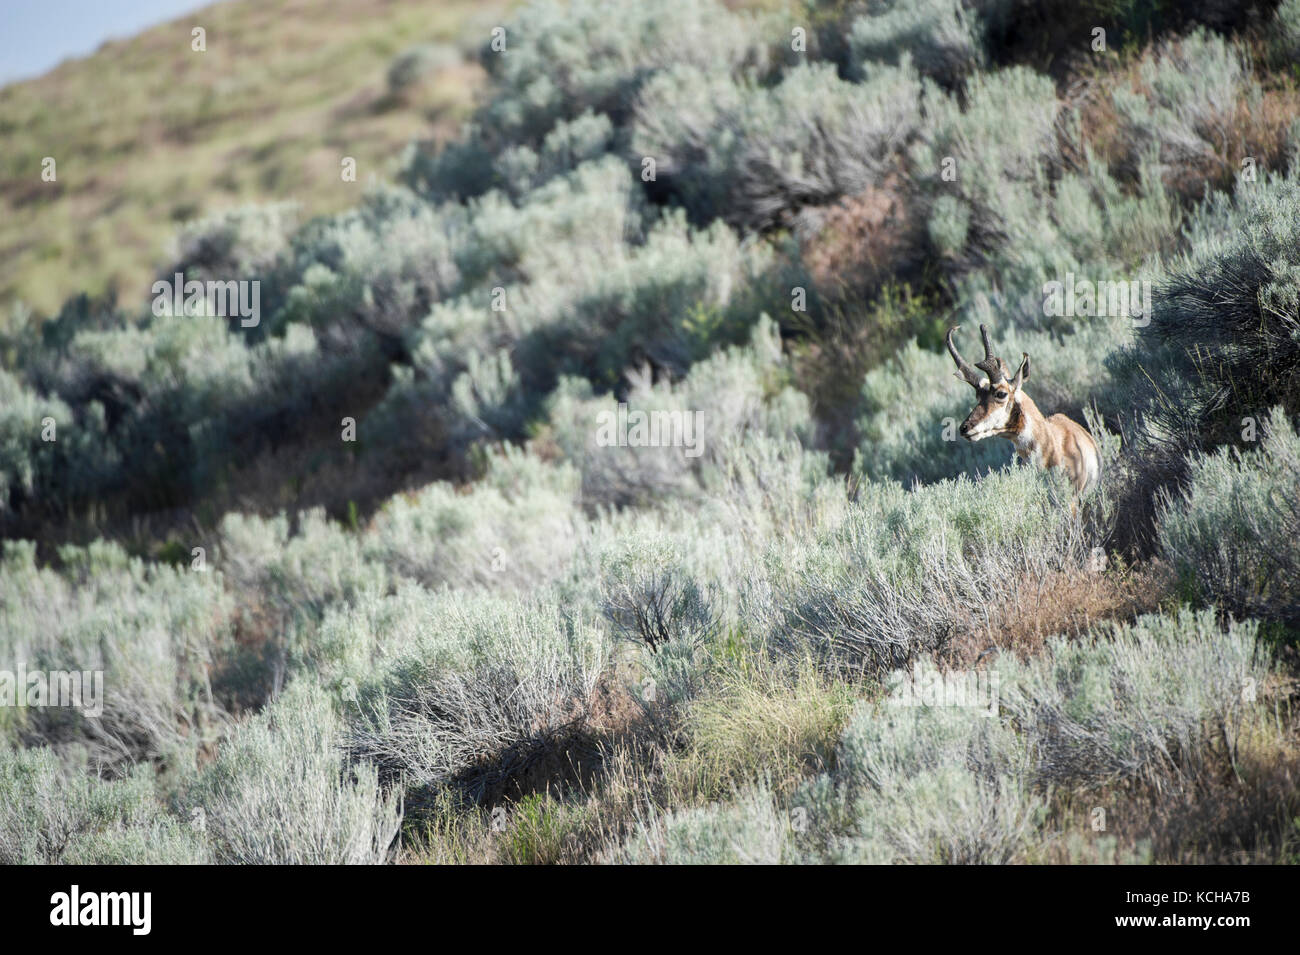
(1004, 410)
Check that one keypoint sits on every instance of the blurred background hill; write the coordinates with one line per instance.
(148, 134)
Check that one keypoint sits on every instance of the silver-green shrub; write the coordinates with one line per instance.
(51, 813)
(296, 572)
(1287, 25)
(650, 597)
(1189, 97)
(25, 459)
(933, 784)
(280, 791)
(562, 60)
(375, 269)
(154, 631)
(852, 600)
(514, 531)
(240, 244)
(749, 831)
(1233, 535)
(916, 782)
(754, 155)
(999, 148)
(736, 392)
(1222, 343)
(1137, 699)
(490, 683)
(943, 37)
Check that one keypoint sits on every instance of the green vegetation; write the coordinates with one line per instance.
(589, 490)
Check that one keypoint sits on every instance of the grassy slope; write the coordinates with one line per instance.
(147, 133)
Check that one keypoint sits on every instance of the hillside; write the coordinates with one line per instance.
(598, 485)
(148, 134)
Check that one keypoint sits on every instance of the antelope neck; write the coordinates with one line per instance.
(1025, 425)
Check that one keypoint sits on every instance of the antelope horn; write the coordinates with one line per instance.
(972, 376)
(994, 367)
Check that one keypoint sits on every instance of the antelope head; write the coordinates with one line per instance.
(996, 392)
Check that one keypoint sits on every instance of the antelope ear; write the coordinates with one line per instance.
(1022, 374)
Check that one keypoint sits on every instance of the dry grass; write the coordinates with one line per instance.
(756, 723)
(1038, 606)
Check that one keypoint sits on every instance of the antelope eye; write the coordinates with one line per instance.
(1001, 396)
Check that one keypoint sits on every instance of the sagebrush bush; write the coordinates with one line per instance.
(651, 598)
(999, 146)
(1287, 38)
(241, 244)
(297, 571)
(756, 156)
(933, 784)
(155, 633)
(737, 392)
(1137, 700)
(514, 531)
(493, 684)
(1234, 534)
(850, 601)
(162, 410)
(519, 169)
(1223, 343)
(572, 220)
(25, 459)
(668, 302)
(943, 37)
(750, 831)
(771, 490)
(55, 814)
(280, 792)
(373, 270)
(354, 641)
(592, 56)
(563, 60)
(1188, 98)
(919, 783)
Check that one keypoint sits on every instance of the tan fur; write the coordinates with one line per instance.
(1055, 442)
(1060, 442)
